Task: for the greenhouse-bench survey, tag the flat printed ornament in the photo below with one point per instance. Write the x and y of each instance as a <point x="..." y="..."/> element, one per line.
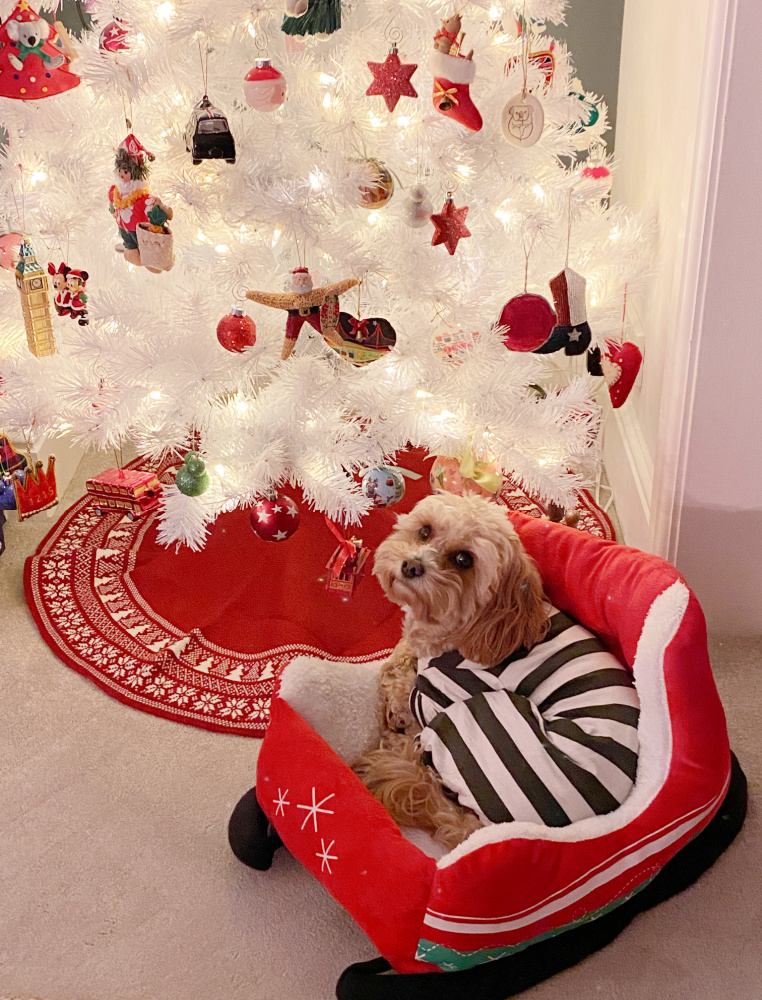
<point x="391" y="79"/>
<point x="522" y="120"/>
<point x="33" y="63"/>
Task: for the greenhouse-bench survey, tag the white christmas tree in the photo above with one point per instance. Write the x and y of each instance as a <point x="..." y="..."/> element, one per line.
<point x="304" y="191"/>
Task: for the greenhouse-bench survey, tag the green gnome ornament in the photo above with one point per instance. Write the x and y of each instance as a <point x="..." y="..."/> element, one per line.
<point x="192" y="479"/>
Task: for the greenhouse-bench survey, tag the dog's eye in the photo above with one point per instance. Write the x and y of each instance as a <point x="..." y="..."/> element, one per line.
<point x="425" y="533"/>
<point x="462" y="560"/>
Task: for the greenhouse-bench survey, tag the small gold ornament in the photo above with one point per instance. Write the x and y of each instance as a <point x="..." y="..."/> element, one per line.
<point x="32" y="283"/>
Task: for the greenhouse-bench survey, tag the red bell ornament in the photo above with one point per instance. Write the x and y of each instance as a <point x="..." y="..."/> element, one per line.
<point x="236" y="331"/>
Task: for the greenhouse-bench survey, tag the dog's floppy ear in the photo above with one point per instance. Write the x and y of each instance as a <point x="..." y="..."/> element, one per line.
<point x="515" y="616"/>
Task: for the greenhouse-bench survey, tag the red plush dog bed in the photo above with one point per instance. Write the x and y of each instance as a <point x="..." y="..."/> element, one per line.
<point x="525" y="899"/>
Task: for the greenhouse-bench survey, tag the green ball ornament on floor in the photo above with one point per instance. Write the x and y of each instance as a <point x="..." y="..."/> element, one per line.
<point x="192" y="479"/>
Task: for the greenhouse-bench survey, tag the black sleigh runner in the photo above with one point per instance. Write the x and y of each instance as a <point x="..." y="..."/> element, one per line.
<point x="516" y="902"/>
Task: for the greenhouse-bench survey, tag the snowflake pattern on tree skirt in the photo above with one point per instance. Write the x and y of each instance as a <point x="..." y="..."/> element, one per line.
<point x="81" y="591"/>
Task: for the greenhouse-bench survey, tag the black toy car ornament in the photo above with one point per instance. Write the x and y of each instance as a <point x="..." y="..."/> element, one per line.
<point x="207" y="135"/>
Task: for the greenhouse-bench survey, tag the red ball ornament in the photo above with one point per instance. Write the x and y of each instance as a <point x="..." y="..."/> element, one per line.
<point x="236" y="332"/>
<point x="115" y="37"/>
<point x="275" y="520"/>
<point x="264" y="87"/>
<point x="530" y="319"/>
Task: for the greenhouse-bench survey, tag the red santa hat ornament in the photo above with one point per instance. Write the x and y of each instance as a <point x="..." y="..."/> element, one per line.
<point x="264" y="87"/>
<point x="136" y="150"/>
<point x="33" y="62"/>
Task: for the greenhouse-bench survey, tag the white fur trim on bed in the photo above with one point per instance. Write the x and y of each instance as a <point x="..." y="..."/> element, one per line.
<point x="452" y="68"/>
<point x="339" y="700"/>
<point x="654" y="732"/>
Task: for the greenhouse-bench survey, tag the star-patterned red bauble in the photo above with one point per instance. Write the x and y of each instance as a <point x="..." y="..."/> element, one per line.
<point x="391" y="79"/>
<point x="276" y="519"/>
<point x="450" y="226"/>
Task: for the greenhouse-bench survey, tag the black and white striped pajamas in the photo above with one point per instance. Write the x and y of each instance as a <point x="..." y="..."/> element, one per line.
<point x="546" y="736"/>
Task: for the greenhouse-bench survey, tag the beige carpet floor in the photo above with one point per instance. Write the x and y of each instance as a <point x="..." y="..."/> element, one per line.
<point x="116" y="882"/>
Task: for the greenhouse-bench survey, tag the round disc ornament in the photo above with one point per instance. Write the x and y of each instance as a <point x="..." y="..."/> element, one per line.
<point x="530" y="320"/>
<point x="377" y="186"/>
<point x="264" y="87"/>
<point x="236" y="332"/>
<point x="384" y="486"/>
<point x="522" y="120"/>
<point x="275" y="519"/>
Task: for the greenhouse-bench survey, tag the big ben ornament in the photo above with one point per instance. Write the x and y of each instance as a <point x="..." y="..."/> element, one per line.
<point x="32" y="283"/>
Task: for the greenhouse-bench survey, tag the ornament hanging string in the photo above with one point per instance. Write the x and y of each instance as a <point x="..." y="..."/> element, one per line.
<point x="204" y="58"/>
<point x="393" y="33"/>
<point x="524" y="51"/>
<point x="569" y="228"/>
<point x="127" y="117"/>
<point x="20" y="215"/>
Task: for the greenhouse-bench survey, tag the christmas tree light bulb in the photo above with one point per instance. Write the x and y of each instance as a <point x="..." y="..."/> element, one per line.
<point x="155" y="394"/>
<point x="464" y="171"/>
<point x="327" y="101"/>
<point x="403" y="121"/>
<point x="220" y="470"/>
<point x="375" y="122"/>
<point x="165" y="11"/>
<point x="37" y="176"/>
<point x="495" y="13"/>
<point x="539" y="193"/>
<point x="327" y="79"/>
<point x="222" y="248"/>
<point x="200" y="236"/>
<point x="252" y="29"/>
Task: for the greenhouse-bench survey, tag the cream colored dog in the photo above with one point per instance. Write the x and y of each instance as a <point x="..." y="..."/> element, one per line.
<point x="457" y="568"/>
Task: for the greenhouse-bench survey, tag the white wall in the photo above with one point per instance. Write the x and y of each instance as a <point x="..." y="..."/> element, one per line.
<point x="684" y="454"/>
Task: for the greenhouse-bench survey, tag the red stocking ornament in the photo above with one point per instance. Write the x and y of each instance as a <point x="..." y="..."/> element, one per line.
<point x="453" y="75"/>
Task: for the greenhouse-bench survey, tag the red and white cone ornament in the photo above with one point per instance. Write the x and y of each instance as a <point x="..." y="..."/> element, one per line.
<point x="453" y="76"/>
<point x="264" y="86"/>
<point x="530" y="320"/>
<point x="450" y="225"/>
<point x="275" y="519"/>
<point x="621" y="364"/>
<point x="236" y="331"/>
<point x="33" y="63"/>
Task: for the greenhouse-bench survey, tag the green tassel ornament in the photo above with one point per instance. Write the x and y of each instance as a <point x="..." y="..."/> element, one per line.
<point x="312" y="17"/>
<point x="192" y="479"/>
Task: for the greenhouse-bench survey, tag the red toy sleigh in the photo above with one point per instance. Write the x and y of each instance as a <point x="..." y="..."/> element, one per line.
<point x="516" y="902"/>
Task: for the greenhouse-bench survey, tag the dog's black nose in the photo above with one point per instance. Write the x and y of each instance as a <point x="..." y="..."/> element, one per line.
<point x="412" y="568"/>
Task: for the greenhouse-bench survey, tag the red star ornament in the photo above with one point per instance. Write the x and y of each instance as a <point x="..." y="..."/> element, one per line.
<point x="391" y="79"/>
<point x="450" y="225"/>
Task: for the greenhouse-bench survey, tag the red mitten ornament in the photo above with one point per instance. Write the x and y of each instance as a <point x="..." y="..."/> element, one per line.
<point x="453" y="75"/>
<point x="236" y="332"/>
<point x="450" y="225"/>
<point x="264" y="86"/>
<point x="621" y="365"/>
<point x="530" y="320"/>
<point x="275" y="520"/>
<point x="33" y="64"/>
<point x="391" y="79"/>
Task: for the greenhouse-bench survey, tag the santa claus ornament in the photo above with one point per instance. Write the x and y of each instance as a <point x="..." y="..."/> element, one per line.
<point x="453" y="75"/>
<point x="275" y="519"/>
<point x="391" y="79"/>
<point x="140" y="217"/>
<point x="305" y="304"/>
<point x="33" y="63"/>
<point x="236" y="331"/>
<point x="572" y="331"/>
<point x="264" y="86"/>
<point x="450" y="225"/>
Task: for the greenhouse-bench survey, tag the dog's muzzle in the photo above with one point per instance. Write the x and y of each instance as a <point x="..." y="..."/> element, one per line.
<point x="412" y="568"/>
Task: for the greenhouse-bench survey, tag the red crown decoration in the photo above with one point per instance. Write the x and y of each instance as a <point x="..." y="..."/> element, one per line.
<point x="35" y="490"/>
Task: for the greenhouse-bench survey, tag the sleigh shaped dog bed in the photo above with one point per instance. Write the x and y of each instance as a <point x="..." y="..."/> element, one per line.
<point x="516" y="902"/>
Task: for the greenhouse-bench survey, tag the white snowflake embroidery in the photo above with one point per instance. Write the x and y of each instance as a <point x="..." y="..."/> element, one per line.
<point x="314" y="809"/>
<point x="325" y="857"/>
<point x="280" y="802"/>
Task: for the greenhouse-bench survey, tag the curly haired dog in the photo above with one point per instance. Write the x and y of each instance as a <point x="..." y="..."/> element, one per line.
<point x="457" y="568"/>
